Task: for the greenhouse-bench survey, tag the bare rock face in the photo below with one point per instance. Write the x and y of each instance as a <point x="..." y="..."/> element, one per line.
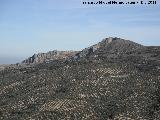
<point x="49" y="56"/>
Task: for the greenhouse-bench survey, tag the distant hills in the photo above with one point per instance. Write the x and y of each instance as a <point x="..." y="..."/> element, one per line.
<point x="49" y="56"/>
<point x="115" y="79"/>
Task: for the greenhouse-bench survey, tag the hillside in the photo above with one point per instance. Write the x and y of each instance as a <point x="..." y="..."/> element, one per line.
<point x="115" y="79"/>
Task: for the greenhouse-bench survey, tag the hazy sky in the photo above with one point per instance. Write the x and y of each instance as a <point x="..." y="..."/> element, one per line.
<point x="32" y="26"/>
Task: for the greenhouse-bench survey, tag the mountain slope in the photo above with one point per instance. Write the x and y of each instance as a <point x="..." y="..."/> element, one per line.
<point x="93" y="86"/>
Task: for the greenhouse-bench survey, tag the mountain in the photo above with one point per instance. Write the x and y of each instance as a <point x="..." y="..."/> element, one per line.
<point x="110" y="46"/>
<point x="115" y="79"/>
<point x="49" y="56"/>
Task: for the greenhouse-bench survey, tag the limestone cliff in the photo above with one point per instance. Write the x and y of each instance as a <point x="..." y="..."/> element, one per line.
<point x="49" y="56"/>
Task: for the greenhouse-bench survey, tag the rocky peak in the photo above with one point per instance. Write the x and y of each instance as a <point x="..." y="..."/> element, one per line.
<point x="111" y="45"/>
<point x="109" y="40"/>
<point x="49" y="56"/>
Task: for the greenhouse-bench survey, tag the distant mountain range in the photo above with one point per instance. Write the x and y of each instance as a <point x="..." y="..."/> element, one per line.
<point x="115" y="79"/>
<point x="49" y="56"/>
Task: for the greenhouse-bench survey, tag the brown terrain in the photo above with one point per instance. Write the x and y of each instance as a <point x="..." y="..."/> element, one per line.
<point x="115" y="79"/>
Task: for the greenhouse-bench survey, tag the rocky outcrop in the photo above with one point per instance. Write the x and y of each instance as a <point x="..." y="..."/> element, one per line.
<point x="49" y="56"/>
<point x="109" y="46"/>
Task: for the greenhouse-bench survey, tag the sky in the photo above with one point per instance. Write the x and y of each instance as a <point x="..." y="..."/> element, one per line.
<point x="33" y="26"/>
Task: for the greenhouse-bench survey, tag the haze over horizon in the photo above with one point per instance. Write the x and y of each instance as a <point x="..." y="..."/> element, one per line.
<point x="29" y="27"/>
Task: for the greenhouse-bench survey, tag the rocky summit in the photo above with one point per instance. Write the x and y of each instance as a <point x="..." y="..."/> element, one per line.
<point x="49" y="56"/>
<point x="115" y="79"/>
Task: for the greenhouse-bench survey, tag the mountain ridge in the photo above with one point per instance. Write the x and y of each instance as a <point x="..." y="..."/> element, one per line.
<point x="49" y="56"/>
<point x="111" y="44"/>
